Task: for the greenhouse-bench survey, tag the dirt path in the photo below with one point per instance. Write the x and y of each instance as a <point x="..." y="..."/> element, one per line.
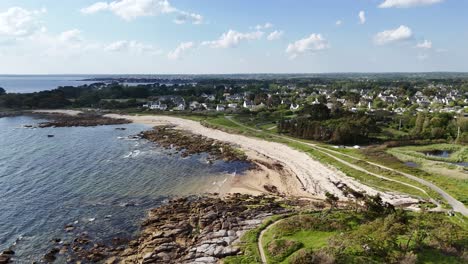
<point x="454" y="203"/>
<point x="260" y="240"/>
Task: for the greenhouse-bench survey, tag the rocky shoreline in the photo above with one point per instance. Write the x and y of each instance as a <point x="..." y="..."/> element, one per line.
<point x="194" y="229"/>
<point x="83" y="120"/>
<point x="189" y="144"/>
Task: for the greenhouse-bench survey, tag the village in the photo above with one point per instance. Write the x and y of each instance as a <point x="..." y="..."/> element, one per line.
<point x="432" y="99"/>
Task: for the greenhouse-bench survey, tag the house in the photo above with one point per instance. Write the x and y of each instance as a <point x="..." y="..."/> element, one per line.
<point x="294" y="107"/>
<point x="316" y="102"/>
<point x="248" y="104"/>
<point x="194" y="105"/>
<point x="180" y="107"/>
<point x="234" y="98"/>
<point x="220" y="108"/>
<point x="208" y="97"/>
<point x="156" y="106"/>
<point x="205" y="106"/>
<point x="232" y="106"/>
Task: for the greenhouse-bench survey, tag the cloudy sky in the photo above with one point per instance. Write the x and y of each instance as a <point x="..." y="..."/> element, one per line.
<point x="232" y="36"/>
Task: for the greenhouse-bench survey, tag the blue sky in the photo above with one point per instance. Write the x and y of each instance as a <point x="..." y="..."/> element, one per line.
<point x="221" y="36"/>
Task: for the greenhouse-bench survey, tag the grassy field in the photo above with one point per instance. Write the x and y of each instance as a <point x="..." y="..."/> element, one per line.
<point x="458" y="153"/>
<point x="452" y="178"/>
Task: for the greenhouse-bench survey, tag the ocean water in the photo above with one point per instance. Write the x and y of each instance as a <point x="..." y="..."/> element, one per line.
<point x="95" y="178"/>
<point x="36" y="83"/>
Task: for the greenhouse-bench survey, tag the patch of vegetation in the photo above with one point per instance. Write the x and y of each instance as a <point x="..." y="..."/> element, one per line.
<point x="371" y="236"/>
<point x="445" y="179"/>
<point x="279" y="249"/>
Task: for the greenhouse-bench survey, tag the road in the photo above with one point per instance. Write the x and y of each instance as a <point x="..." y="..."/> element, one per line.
<point x="456" y="205"/>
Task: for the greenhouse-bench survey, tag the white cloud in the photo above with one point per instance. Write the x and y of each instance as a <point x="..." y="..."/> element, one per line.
<point x="132" y="9"/>
<point x="73" y="35"/>
<point x="338" y="22"/>
<point x="264" y="26"/>
<point x="180" y="50"/>
<point x="362" y="17"/>
<point x="19" y="22"/>
<point x="132" y="47"/>
<point x="393" y="35"/>
<point x="96" y="7"/>
<point x="275" y="35"/>
<point x="312" y="43"/>
<point x="408" y="3"/>
<point x="426" y="44"/>
<point x="184" y="17"/>
<point x="232" y="38"/>
<point x="65" y="44"/>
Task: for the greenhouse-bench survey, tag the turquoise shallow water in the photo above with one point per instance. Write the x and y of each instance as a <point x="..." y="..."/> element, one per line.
<point x="93" y="177"/>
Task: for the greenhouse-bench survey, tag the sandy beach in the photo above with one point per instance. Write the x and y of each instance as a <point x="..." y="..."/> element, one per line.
<point x="302" y="176"/>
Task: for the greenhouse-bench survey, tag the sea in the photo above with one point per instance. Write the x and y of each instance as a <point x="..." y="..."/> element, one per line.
<point x="36" y="83"/>
<point x="98" y="179"/>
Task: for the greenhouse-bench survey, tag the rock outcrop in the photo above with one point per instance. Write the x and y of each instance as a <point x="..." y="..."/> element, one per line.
<point x="197" y="230"/>
<point x="81" y="120"/>
<point x="189" y="143"/>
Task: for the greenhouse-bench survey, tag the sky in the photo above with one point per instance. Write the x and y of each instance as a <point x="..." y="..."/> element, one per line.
<point x="232" y="36"/>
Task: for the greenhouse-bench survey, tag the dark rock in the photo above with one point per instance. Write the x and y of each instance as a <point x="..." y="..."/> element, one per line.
<point x="50" y="256"/>
<point x="9" y="252"/>
<point x="86" y="120"/>
<point x="4" y="259"/>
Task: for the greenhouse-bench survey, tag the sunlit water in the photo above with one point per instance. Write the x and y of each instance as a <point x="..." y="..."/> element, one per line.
<point x="93" y="177"/>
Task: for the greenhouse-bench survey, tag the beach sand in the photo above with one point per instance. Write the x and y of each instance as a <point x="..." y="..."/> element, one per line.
<point x="301" y="176"/>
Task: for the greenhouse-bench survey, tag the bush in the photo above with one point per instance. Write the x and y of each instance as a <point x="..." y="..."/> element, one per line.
<point x="307" y="256"/>
<point x="279" y="249"/>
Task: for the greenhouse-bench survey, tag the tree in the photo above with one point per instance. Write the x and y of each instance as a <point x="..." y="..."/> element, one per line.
<point x="316" y="112"/>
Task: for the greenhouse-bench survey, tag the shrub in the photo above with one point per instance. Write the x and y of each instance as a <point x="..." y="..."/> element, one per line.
<point x="307" y="256"/>
<point x="279" y="249"/>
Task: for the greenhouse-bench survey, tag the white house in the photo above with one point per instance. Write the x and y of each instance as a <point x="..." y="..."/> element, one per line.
<point x="220" y="108"/>
<point x="294" y="107"/>
<point x="194" y="105"/>
<point x="180" y="107"/>
<point x="248" y="104"/>
<point x="156" y="106"/>
<point x="232" y="106"/>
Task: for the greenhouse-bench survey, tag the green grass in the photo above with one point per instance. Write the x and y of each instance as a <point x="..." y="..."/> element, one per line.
<point x="453" y="179"/>
<point x="309" y="239"/>
<point x="306" y="238"/>
<point x="316" y="231"/>
<point x="312" y="239"/>
<point x="459" y="152"/>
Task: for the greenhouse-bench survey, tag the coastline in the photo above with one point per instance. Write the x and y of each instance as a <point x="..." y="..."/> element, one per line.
<point x="302" y="176"/>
